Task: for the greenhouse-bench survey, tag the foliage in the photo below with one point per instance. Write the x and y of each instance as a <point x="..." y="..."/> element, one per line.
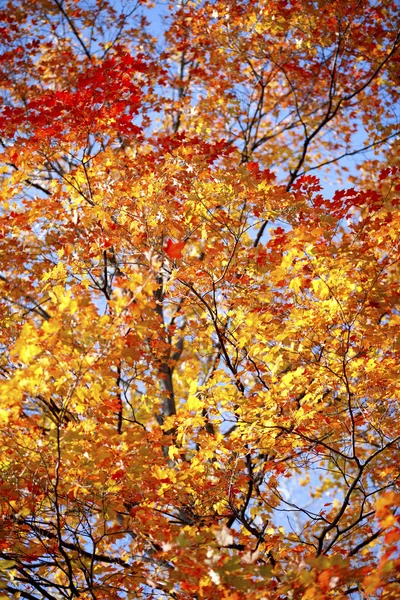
<point x="199" y="385"/>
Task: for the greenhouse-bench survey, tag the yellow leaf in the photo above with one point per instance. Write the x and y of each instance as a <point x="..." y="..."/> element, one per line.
<point x="58" y="272"/>
<point x="173" y="451"/>
<point x="52" y="326"/>
<point x="296" y="284"/>
<point x="320" y="288"/>
<point x="3" y="415"/>
<point x="194" y="403"/>
<point x="29" y="351"/>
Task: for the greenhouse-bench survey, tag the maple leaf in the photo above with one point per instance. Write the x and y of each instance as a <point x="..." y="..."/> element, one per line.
<point x="174" y="249"/>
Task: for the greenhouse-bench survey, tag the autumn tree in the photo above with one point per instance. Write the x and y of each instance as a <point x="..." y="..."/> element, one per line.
<point x="199" y="378"/>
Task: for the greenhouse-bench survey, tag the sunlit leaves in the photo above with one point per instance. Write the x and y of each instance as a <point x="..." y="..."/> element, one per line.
<point x="200" y="345"/>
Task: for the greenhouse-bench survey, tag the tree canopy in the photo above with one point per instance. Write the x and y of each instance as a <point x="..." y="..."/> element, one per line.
<point x="200" y="302"/>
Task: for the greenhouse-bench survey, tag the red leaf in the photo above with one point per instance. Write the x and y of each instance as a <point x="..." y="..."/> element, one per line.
<point x="174" y="250"/>
<point x="253" y="167"/>
<point x="119" y="474"/>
